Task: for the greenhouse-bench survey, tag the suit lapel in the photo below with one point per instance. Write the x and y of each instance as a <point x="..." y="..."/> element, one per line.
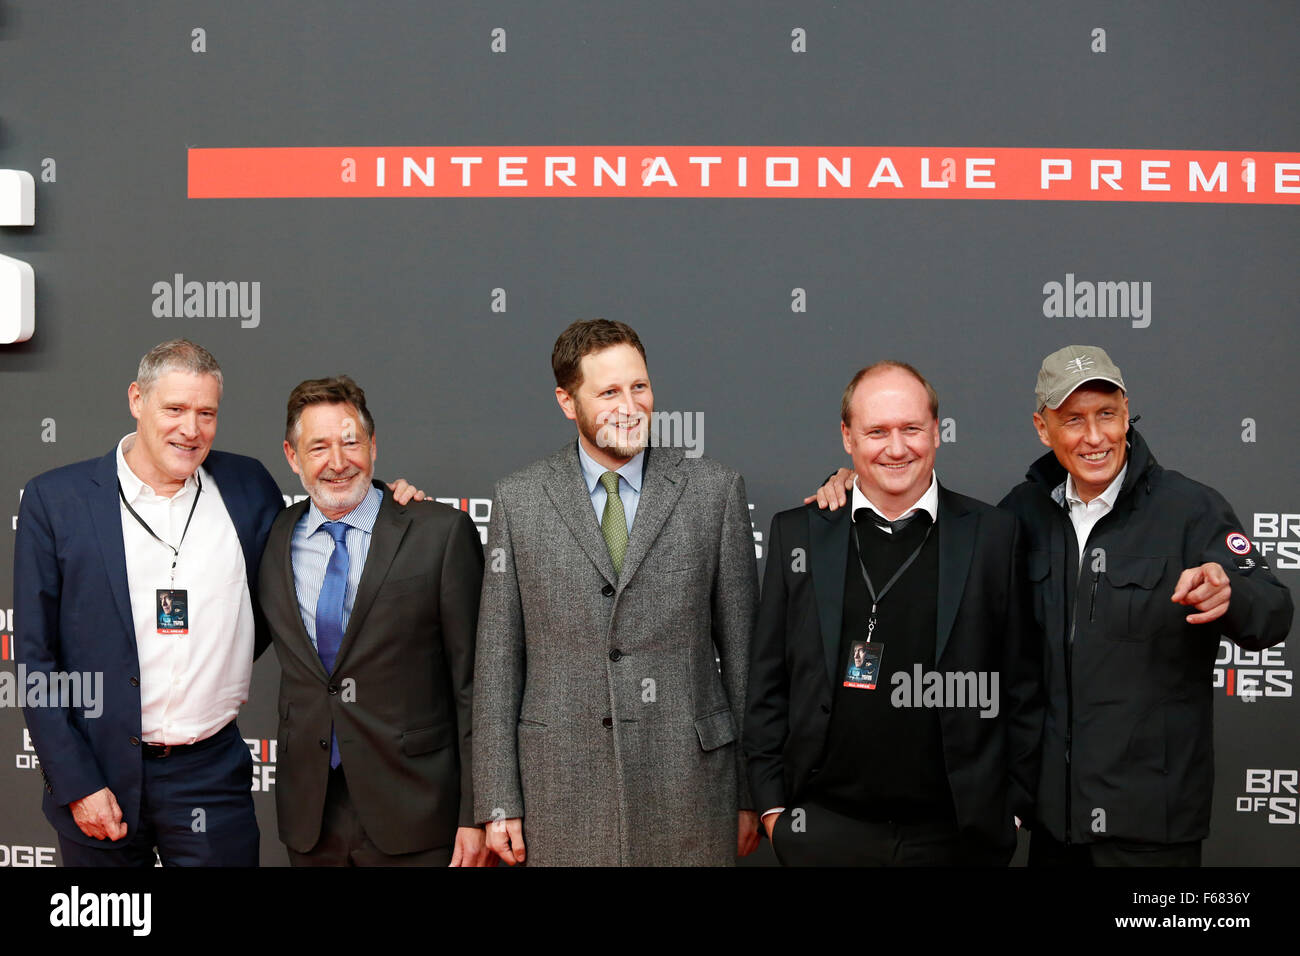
<point x="568" y="492"/>
<point x="239" y="506"/>
<point x="828" y="546"/>
<point x="956" y="528"/>
<point x="661" y="486"/>
<point x="279" y="550"/>
<point x="106" y="513"/>
<point x="385" y="539"/>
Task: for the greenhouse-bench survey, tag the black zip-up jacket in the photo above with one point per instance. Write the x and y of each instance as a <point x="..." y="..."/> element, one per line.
<point x="1128" y="736"/>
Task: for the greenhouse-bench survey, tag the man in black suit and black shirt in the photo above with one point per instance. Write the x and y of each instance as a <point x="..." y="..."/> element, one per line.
<point x="893" y="715"/>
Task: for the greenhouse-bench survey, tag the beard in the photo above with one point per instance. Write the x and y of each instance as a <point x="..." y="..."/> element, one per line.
<point x="343" y="498"/>
<point x="615" y="442"/>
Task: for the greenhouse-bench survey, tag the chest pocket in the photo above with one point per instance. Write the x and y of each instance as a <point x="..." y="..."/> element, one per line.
<point x="1131" y="606"/>
<point x="1039" y="566"/>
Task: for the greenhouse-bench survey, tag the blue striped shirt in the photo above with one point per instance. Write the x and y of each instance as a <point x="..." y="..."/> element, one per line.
<point x="312" y="546"/>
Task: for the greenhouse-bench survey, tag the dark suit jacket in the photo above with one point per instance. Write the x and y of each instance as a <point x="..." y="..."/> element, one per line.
<point x="399" y="697"/>
<point x="983" y="617"/>
<point x="72" y="612"/>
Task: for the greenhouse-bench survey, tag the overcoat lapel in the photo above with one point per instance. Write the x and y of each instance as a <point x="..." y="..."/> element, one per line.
<point x="661" y="487"/>
<point x="568" y="493"/>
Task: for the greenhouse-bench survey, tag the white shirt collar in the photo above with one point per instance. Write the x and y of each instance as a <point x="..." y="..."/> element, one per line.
<point x="132" y="485"/>
<point x="1107" y="497"/>
<point x="928" y="502"/>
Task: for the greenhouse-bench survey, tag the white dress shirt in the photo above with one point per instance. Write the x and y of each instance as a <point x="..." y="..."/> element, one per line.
<point x="1085" y="515"/>
<point x="191" y="685"/>
<point x="928" y="502"/>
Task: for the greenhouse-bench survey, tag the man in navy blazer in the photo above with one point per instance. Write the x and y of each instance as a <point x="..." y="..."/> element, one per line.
<point x="158" y="761"/>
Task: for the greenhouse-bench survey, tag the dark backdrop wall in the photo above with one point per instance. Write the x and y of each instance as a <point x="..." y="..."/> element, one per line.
<point x="756" y="307"/>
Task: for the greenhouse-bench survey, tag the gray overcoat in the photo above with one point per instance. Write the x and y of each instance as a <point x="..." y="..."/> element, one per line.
<point x="608" y="709"/>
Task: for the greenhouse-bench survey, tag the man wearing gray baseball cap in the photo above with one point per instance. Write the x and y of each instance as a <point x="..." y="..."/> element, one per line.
<point x="1120" y="551"/>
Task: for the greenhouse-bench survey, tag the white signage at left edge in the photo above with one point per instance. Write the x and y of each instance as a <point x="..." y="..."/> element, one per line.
<point x="17" y="281"/>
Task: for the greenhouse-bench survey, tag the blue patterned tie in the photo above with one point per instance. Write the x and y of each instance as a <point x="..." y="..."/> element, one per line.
<point x="329" y="611"/>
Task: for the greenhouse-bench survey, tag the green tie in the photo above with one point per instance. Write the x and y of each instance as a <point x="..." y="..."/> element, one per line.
<point x="613" y="523"/>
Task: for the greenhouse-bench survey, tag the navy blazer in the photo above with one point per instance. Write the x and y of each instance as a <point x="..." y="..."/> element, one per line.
<point x="72" y="612"/>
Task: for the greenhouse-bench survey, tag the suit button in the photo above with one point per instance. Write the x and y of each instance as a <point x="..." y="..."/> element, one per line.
<point x="49" y="788"/>
<point x="607" y="721"/>
<point x="324" y="744"/>
<point x="135" y="682"/>
<point x="825" y="709"/>
<point x="333" y="688"/>
<point x="607" y="590"/>
<point x="135" y="741"/>
<point x="615" y="654"/>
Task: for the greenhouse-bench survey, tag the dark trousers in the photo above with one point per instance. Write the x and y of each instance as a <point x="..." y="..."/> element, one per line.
<point x="343" y="840"/>
<point x="196" y="809"/>
<point x="1045" y="850"/>
<point x="813" y="835"/>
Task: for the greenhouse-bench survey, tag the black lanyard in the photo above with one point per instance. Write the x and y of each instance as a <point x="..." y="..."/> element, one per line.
<point x="176" y="550"/>
<point x="877" y="598"/>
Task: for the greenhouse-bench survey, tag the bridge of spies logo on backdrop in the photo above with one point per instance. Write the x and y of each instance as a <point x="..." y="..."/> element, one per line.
<point x="1277" y="534"/>
<point x="264" y="753"/>
<point x="25" y="758"/>
<point x="1252" y="675"/>
<point x="1272" y="792"/>
<point x="860" y="172"/>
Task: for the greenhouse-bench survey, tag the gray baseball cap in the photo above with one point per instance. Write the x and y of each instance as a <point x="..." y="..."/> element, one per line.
<point x="1066" y="369"/>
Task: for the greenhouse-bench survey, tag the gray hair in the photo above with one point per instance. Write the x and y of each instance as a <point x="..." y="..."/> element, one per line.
<point x="177" y="355"/>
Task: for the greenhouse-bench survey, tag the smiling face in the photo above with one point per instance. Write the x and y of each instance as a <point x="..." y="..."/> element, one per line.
<point x="611" y="404"/>
<point x="176" y="421"/>
<point x="892" y="437"/>
<point x="1087" y="434"/>
<point x="333" y="456"/>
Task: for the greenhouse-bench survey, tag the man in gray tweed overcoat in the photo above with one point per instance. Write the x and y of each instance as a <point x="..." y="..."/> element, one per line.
<point x="618" y="603"/>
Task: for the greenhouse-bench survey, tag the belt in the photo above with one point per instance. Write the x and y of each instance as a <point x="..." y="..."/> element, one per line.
<point x="160" y="751"/>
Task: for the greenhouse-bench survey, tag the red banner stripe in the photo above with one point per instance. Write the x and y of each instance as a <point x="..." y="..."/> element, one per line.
<point x="736" y="172"/>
